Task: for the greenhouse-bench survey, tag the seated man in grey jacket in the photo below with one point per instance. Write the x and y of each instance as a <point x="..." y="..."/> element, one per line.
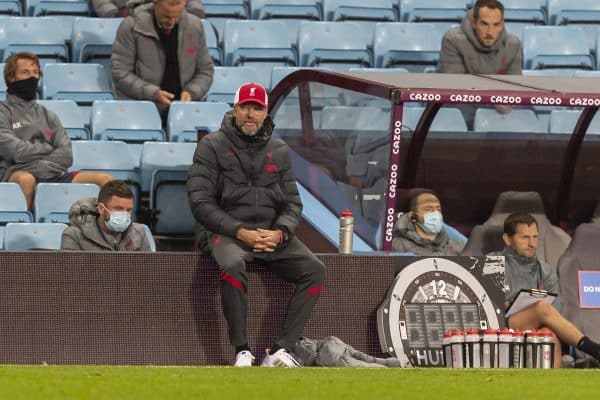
<point x="111" y="229"/>
<point x="525" y="271"/>
<point x="33" y="144"/>
<point x="160" y="54"/>
<point x="421" y="230"/>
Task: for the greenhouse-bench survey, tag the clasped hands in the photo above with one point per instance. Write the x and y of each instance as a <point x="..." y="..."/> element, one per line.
<point x="260" y="240"/>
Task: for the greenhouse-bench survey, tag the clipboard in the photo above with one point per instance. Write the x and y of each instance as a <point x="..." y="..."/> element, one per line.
<point x="527" y="297"/>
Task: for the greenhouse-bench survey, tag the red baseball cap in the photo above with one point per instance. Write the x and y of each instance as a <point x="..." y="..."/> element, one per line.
<point x="251" y="92"/>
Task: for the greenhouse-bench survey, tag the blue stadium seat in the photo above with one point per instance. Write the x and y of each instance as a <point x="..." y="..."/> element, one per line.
<point x="321" y="95"/>
<point x="112" y="157"/>
<point x="407" y="45"/>
<point x="448" y="119"/>
<point x="226" y="80"/>
<point x="261" y="45"/>
<point x="37" y="8"/>
<point x="42" y="36"/>
<point x="555" y="47"/>
<point x="286" y="9"/>
<point x="151" y="240"/>
<point x="29" y="236"/>
<point x="10" y="7"/>
<point x="525" y="11"/>
<point x="53" y="200"/>
<point x="212" y="42"/>
<point x="187" y="118"/>
<point x="584" y="73"/>
<point x="2" y="85"/>
<point x="2" y="231"/>
<point x="551" y="72"/>
<point x="563" y="121"/>
<point x="584" y="14"/>
<point x="432" y="10"/>
<point x="113" y="120"/>
<point x="92" y="40"/>
<point x="82" y="83"/>
<point x="352" y="10"/>
<point x="13" y="207"/>
<point x="164" y="172"/>
<point x="236" y="9"/>
<point x="355" y="118"/>
<point x="518" y="120"/>
<point x="336" y="45"/>
<point x="70" y="116"/>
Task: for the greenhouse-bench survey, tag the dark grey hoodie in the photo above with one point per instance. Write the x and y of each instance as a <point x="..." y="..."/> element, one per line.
<point x="407" y="240"/>
<point x="463" y="54"/>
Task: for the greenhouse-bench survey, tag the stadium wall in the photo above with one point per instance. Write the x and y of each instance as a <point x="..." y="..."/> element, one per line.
<point x="165" y="309"/>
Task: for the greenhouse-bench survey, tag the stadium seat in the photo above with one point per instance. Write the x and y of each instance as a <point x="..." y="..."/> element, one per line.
<point x="586" y="73"/>
<point x="10" y="7"/>
<point x="33" y="236"/>
<point x="581" y="255"/>
<point x="582" y="13"/>
<point x="2" y="85"/>
<point x="13" y="207"/>
<point x="353" y="10"/>
<point x="355" y="118"/>
<point x="226" y="80"/>
<point x="186" y="119"/>
<point x="335" y="45"/>
<point x="70" y="116"/>
<point x="37" y="8"/>
<point x="2" y="230"/>
<point x="164" y="174"/>
<point x="518" y="120"/>
<point x="212" y="42"/>
<point x="432" y="10"/>
<point x="92" y="40"/>
<point x="552" y="241"/>
<point x="484" y="239"/>
<point x="525" y="11"/>
<point x="151" y="240"/>
<point x="409" y="45"/>
<point x="286" y="9"/>
<point x="555" y="47"/>
<point x="113" y="120"/>
<point x="563" y="121"/>
<point x="53" y="200"/>
<point x="42" y="36"/>
<point x="260" y="45"/>
<point x="229" y="9"/>
<point x="551" y="72"/>
<point x="448" y="119"/>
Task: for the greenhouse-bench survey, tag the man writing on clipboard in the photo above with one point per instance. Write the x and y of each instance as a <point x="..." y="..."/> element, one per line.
<point x="525" y="271"/>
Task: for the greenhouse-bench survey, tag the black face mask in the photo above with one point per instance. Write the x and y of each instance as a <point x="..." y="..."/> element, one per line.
<point x="25" y="89"/>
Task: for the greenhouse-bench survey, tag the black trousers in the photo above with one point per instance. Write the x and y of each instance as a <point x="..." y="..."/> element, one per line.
<point x="292" y="261"/>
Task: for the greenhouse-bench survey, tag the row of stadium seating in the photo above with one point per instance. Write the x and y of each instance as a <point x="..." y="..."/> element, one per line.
<point x="264" y="44"/>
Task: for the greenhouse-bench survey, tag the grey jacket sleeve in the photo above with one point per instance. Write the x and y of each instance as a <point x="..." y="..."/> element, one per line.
<point x="105" y="8"/>
<point x="203" y="75"/>
<point x="123" y="61"/>
<point x="203" y="187"/>
<point x="62" y="153"/>
<point x="15" y="150"/>
<point x="450" y="62"/>
<point x="289" y="217"/>
<point x="69" y="239"/>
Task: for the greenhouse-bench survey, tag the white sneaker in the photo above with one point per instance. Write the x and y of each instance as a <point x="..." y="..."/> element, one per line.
<point x="243" y="359"/>
<point x="281" y="358"/>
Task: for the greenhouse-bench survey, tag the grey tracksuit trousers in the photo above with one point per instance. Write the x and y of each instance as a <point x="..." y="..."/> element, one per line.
<point x="292" y="261"/>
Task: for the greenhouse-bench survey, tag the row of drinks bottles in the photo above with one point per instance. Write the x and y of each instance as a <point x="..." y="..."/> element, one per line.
<point x="504" y="348"/>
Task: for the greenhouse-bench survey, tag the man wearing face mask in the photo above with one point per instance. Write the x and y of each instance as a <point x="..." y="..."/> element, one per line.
<point x="421" y="230"/>
<point x="112" y="229"/>
<point x="243" y="192"/>
<point x="33" y="144"/>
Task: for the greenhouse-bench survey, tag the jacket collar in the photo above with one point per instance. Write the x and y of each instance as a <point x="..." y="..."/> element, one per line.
<point x="407" y="230"/>
<point x="144" y="20"/>
<point x="230" y="130"/>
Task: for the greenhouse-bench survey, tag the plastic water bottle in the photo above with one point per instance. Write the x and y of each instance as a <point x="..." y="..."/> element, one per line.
<point x="473" y="342"/>
<point x="346" y="232"/>
<point x="490" y="349"/>
<point x="546" y="349"/>
<point x="505" y="342"/>
<point x="518" y="353"/>
<point x="532" y="344"/>
<point x="457" y="342"/>
<point x="447" y="347"/>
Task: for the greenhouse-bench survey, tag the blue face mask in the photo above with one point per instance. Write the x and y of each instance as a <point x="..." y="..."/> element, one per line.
<point x="119" y="221"/>
<point x="432" y="222"/>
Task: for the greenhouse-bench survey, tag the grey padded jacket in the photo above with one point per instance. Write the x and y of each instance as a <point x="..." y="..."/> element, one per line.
<point x="89" y="237"/>
<point x="405" y="239"/>
<point x="138" y="59"/>
<point x="32" y="138"/>
<point x="462" y="53"/>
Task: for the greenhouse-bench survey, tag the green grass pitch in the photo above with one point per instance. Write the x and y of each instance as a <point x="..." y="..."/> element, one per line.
<point x="145" y="382"/>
